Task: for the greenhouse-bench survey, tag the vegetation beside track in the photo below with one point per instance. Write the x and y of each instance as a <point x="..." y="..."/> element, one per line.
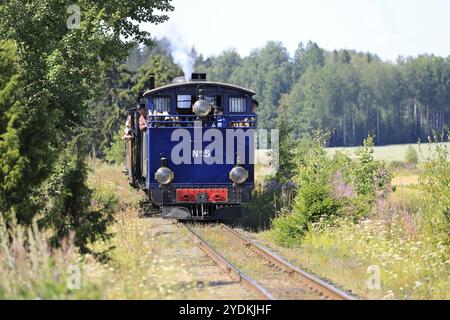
<point x="338" y="231"/>
<point x="143" y="258"/>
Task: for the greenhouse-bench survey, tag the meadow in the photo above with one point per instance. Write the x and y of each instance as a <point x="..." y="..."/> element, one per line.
<point x="399" y="249"/>
<point x="393" y="152"/>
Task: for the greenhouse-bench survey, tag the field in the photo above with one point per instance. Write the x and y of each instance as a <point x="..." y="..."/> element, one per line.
<point x="393" y="152"/>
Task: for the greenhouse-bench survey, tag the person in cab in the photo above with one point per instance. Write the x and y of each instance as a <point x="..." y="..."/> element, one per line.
<point x="142" y="110"/>
<point x="220" y="120"/>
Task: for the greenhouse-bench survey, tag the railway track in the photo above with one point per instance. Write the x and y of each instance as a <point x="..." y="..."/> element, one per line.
<point x="275" y="278"/>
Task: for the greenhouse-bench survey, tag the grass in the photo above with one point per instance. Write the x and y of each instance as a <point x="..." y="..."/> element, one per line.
<point x="30" y="269"/>
<point x="103" y="175"/>
<point x="147" y="258"/>
<point x="343" y="254"/>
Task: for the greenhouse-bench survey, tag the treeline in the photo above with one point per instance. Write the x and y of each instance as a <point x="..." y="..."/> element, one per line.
<point x="347" y="93"/>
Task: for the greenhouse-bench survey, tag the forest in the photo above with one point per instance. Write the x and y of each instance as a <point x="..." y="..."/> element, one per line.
<point x="347" y="93"/>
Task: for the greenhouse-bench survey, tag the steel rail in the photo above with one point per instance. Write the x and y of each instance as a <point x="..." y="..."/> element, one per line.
<point x="307" y="279"/>
<point x="229" y="268"/>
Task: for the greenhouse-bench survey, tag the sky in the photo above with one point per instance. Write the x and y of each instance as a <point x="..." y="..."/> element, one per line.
<point x="388" y="28"/>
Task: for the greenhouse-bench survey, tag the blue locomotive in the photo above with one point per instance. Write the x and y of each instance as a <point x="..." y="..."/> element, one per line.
<point x="193" y="148"/>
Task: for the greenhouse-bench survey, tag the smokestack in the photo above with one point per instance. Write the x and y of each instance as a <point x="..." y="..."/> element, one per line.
<point x="151" y="82"/>
<point x="198" y="77"/>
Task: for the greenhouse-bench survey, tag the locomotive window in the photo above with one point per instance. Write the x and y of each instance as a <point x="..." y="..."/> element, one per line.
<point x="211" y="100"/>
<point x="238" y="105"/>
<point x="184" y="102"/>
<point x="162" y="104"/>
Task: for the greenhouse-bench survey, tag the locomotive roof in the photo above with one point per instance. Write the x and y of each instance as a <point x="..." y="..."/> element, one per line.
<point x="196" y="84"/>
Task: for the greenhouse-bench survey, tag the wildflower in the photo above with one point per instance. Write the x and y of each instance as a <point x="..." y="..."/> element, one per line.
<point x="341" y="189"/>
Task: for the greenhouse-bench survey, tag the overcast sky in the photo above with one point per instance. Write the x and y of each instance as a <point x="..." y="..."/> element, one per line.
<point x="386" y="27"/>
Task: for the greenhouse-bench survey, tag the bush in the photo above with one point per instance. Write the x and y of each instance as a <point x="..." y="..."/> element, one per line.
<point x="72" y="206"/>
<point x="314" y="199"/>
<point x="332" y="187"/>
<point x="435" y="184"/>
<point x="412" y="156"/>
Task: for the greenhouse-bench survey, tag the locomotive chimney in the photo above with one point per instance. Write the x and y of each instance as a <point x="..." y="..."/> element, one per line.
<point x="198" y="77"/>
<point x="151" y="82"/>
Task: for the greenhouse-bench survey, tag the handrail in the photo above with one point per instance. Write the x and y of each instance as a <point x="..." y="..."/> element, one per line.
<point x="243" y="121"/>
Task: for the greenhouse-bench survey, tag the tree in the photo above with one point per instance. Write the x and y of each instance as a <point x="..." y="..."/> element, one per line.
<point x="309" y="57"/>
<point x="348" y="93"/>
<point x="60" y="68"/>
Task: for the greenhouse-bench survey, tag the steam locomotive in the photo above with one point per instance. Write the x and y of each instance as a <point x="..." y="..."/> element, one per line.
<point x="194" y="156"/>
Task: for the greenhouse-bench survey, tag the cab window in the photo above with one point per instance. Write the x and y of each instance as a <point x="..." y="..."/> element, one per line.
<point x="184" y="102"/>
<point x="162" y="104"/>
<point x="237" y="105"/>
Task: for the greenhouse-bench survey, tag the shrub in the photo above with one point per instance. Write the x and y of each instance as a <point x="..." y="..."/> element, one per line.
<point x="314" y="199"/>
<point x="435" y="184"/>
<point x="289" y="229"/>
<point x="412" y="156"/>
<point x="332" y="187"/>
<point x="72" y="206"/>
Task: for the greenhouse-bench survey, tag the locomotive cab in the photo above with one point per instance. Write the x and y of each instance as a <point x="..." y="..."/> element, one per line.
<point x="195" y="160"/>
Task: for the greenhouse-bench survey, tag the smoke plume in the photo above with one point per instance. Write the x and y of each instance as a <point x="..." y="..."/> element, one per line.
<point x="181" y="53"/>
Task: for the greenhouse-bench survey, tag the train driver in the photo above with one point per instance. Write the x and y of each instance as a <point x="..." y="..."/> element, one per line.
<point x="221" y="122"/>
<point x="142" y="109"/>
<point x="250" y="122"/>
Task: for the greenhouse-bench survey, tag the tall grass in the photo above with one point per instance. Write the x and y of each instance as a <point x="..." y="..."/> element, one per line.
<point x="409" y="242"/>
<point x="31" y="269"/>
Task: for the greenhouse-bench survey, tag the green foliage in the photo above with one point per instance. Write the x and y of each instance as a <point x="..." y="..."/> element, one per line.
<point x="287" y="148"/>
<point x="24" y="162"/>
<point x="48" y="75"/>
<point x="71" y="206"/>
<point x="412" y="156"/>
<point x="331" y="187"/>
<point x="116" y="154"/>
<point x="366" y="169"/>
<point x="160" y="66"/>
<point x="314" y="196"/>
<point x="435" y="184"/>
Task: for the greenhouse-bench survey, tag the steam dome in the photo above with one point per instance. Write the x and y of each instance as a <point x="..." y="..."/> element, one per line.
<point x="179" y="80"/>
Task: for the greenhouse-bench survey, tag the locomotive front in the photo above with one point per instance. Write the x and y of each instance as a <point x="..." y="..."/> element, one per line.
<point x="196" y="154"/>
